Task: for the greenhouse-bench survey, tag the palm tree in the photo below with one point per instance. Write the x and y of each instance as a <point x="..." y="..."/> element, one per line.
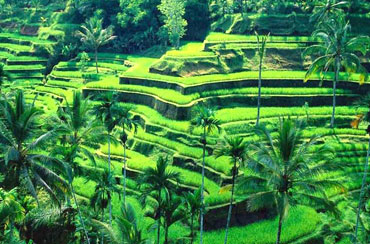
<point x="204" y="118"/>
<point x="337" y="50"/>
<point x="324" y="11"/>
<point x="128" y="231"/>
<point x="79" y="131"/>
<point x="261" y="50"/>
<point x="128" y="123"/>
<point x="288" y="170"/>
<point x="106" y="111"/>
<point x="20" y="142"/>
<point x="104" y="189"/>
<point x="193" y="205"/>
<point x="158" y="181"/>
<point x="365" y="101"/>
<point x="173" y="212"/>
<point x="93" y="36"/>
<point x="236" y="149"/>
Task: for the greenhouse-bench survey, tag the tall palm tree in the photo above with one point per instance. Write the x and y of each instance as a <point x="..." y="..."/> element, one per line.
<point x="204" y="118"/>
<point x="127" y="121"/>
<point x="104" y="189"/>
<point x="128" y="230"/>
<point x="173" y="212"/>
<point x="261" y="50"/>
<point x="157" y="182"/>
<point x="193" y="205"/>
<point x="79" y="130"/>
<point x="365" y="101"/>
<point x="236" y="149"/>
<point x="324" y="11"/>
<point x="20" y="142"/>
<point x="336" y="51"/>
<point x="106" y="111"/>
<point x="93" y="36"/>
<point x="287" y="170"/>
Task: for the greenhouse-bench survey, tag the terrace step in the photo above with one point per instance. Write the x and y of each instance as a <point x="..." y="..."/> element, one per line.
<point x="26" y="62"/>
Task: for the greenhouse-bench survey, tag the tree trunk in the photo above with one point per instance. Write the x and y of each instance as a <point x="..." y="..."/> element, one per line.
<point x="259" y="92"/>
<point x="337" y="63"/>
<point x="231" y="202"/>
<point x="159" y="217"/>
<point x="109" y="171"/>
<point x="102" y="219"/>
<point x="124" y="173"/>
<point x="362" y="191"/>
<point x="96" y="60"/>
<point x="202" y="187"/>
<point x="79" y="214"/>
<point x="279" y="229"/>
<point x="166" y="234"/>
<point x="192" y="229"/>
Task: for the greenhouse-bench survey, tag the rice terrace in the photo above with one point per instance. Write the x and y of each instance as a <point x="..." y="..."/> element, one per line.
<point x="184" y="121"/>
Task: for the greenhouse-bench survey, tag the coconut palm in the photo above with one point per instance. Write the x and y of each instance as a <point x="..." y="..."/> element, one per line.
<point x="204" y="118"/>
<point x="261" y="50"/>
<point x="106" y="111"/>
<point x="21" y="141"/>
<point x="236" y="149"/>
<point x="127" y="121"/>
<point x="336" y="51"/>
<point x="324" y="11"/>
<point x="79" y="130"/>
<point x="93" y="36"/>
<point x="365" y="101"/>
<point x="158" y="182"/>
<point x="287" y="170"/>
<point x="193" y="206"/>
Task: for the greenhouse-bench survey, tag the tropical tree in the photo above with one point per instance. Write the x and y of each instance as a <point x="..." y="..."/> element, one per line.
<point x="173" y="212"/>
<point x="236" y="149"/>
<point x="93" y="36"/>
<point x="365" y="101"/>
<point x="287" y="170"/>
<point x="336" y="50"/>
<point x="21" y="141"/>
<point x="158" y="182"/>
<point x="323" y="11"/>
<point x="128" y="230"/>
<point x="193" y="206"/>
<point x="204" y="118"/>
<point x="261" y="50"/>
<point x="127" y="121"/>
<point x="79" y="130"/>
<point x="107" y="111"/>
<point x="105" y="187"/>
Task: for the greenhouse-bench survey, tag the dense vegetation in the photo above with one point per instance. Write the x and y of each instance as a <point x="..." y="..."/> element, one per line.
<point x="184" y="121"/>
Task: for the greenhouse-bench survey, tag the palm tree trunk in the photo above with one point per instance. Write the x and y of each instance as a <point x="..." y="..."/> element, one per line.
<point x="231" y="203"/>
<point x="124" y="173"/>
<point x="166" y="234"/>
<point x="259" y="92"/>
<point x="96" y="60"/>
<point x="159" y="217"/>
<point x="279" y="229"/>
<point x="362" y="191"/>
<point x="79" y="214"/>
<point x="109" y="171"/>
<point x="192" y="229"/>
<point x="102" y="219"/>
<point x="202" y="187"/>
<point x="335" y="91"/>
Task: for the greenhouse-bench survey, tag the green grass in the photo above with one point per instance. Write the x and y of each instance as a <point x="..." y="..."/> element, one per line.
<point x="26" y="58"/>
<point x="20" y="37"/>
<point x="24" y="67"/>
<point x="16" y="47"/>
<point x="66" y="84"/>
<point x="222" y="37"/>
<point x="112" y="66"/>
<point x="299" y="222"/>
<point x="56" y="91"/>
